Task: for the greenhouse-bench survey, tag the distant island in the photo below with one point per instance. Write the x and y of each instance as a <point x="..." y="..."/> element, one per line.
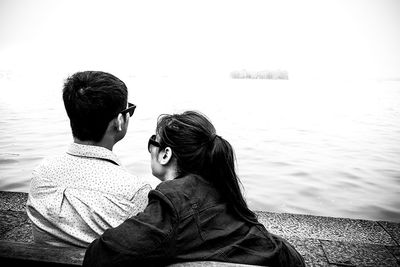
<point x="265" y="74"/>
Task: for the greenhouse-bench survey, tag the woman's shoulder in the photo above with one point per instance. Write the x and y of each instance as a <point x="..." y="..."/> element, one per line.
<point x="188" y="182"/>
<point x="186" y="188"/>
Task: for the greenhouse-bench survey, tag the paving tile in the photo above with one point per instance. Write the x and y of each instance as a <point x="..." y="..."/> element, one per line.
<point x="13" y="200"/>
<point x="355" y="254"/>
<point x="393" y="229"/>
<point x="395" y="250"/>
<point x="22" y="233"/>
<point x="311" y="250"/>
<point x="10" y="220"/>
<point x="325" y="228"/>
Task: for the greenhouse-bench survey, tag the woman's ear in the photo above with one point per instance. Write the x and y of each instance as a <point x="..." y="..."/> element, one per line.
<point x="165" y="156"/>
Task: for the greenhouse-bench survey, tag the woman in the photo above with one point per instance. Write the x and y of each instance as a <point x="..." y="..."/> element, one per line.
<point x="197" y="213"/>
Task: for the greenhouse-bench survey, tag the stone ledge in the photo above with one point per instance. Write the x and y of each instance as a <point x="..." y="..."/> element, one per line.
<point x="322" y="241"/>
<point x="330" y="228"/>
<point x="21" y="253"/>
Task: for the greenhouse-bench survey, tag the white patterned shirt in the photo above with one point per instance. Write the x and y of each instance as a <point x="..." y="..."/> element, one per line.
<point x="75" y="197"/>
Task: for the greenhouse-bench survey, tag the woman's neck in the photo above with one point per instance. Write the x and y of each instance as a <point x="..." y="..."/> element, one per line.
<point x="171" y="170"/>
<point x="170" y="175"/>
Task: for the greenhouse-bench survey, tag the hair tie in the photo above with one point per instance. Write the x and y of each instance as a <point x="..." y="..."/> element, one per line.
<point x="210" y="140"/>
<point x="213" y="137"/>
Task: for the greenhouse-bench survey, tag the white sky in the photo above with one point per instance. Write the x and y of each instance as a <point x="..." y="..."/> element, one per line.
<point x="338" y="38"/>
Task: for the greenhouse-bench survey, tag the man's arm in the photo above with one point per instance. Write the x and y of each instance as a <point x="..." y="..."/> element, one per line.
<point x="139" y="200"/>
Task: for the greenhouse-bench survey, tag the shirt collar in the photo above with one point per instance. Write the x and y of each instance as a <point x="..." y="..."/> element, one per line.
<point x="89" y="151"/>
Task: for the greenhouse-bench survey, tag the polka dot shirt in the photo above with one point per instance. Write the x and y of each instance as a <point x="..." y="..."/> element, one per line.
<point x="75" y="197"/>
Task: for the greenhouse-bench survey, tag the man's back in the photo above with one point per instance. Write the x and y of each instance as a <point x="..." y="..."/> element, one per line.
<point x="74" y="198"/>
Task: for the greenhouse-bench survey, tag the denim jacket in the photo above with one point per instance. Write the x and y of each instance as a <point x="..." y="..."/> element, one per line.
<point x="187" y="220"/>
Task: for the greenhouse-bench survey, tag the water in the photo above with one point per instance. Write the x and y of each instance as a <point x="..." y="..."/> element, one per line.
<point x="323" y="148"/>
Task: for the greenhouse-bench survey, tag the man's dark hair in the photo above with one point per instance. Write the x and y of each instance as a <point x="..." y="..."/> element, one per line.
<point x="92" y="99"/>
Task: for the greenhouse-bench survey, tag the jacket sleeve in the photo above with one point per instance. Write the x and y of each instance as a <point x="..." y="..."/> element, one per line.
<point x="146" y="237"/>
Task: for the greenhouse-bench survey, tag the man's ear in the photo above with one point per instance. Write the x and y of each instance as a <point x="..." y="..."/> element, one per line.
<point x="120" y="122"/>
<point x="165" y="156"/>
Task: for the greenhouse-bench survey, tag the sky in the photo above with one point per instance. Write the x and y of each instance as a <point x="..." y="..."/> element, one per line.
<point x="310" y="39"/>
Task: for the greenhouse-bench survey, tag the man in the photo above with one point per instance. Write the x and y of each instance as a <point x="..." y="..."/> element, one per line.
<point x="75" y="197"/>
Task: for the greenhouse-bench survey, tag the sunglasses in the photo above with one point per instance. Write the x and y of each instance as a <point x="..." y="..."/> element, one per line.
<point x="152" y="142"/>
<point x="131" y="109"/>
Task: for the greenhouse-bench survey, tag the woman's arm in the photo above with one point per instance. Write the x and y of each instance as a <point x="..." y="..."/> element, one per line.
<point x="145" y="237"/>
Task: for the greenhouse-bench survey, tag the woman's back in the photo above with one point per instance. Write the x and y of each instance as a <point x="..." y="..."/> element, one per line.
<point x="209" y="230"/>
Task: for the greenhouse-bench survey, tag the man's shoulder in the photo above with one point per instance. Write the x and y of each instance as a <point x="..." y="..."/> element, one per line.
<point x="93" y="167"/>
<point x="125" y="176"/>
<point x="51" y="161"/>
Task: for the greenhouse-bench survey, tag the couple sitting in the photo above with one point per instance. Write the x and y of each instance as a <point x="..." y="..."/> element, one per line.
<point x="86" y="198"/>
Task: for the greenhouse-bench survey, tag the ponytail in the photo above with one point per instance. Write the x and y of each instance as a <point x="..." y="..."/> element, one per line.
<point x="221" y="170"/>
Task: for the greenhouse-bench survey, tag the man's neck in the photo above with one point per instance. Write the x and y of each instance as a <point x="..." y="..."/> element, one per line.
<point x="102" y="143"/>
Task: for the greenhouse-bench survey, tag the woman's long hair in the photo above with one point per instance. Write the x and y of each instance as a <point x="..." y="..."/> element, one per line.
<point x="199" y="150"/>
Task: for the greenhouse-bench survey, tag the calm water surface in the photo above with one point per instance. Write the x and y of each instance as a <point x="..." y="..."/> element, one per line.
<point x="321" y="148"/>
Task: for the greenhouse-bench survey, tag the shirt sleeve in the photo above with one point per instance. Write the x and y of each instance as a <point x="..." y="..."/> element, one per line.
<point x="140" y="199"/>
<point x="147" y="237"/>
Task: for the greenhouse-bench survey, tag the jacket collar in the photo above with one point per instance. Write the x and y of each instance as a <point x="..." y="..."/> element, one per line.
<point x="96" y="152"/>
